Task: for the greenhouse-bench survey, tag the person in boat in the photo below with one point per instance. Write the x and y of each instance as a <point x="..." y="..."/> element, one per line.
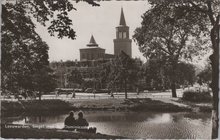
<point x="70" y="120"/>
<point x="81" y="122"/>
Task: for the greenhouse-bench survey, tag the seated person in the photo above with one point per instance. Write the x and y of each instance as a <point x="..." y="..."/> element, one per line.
<point x="81" y="121"/>
<point x="82" y="124"/>
<point x="70" y="120"/>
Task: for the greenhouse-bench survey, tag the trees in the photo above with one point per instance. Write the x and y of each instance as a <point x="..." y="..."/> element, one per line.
<point x="43" y="80"/>
<point x="206" y="12"/>
<point x="165" y="32"/>
<point x="123" y="72"/>
<point x="44" y="11"/>
<point x="25" y="55"/>
<point x="205" y="76"/>
<point x="186" y="74"/>
<point x="157" y="74"/>
<point x="23" y="51"/>
<point x="75" y="77"/>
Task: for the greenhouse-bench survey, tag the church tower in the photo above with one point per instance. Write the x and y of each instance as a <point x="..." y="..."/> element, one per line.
<point x="122" y="41"/>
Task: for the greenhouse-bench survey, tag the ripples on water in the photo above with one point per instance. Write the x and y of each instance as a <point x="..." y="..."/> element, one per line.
<point x="134" y="124"/>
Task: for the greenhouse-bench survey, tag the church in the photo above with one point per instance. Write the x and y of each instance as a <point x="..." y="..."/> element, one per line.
<point x="93" y="56"/>
<point x="92" y="51"/>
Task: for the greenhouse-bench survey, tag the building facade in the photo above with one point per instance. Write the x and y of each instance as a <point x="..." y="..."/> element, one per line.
<point x="92" y="51"/>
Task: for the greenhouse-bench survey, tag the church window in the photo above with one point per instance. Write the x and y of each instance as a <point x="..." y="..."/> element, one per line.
<point x="124" y="35"/>
<point x="120" y="35"/>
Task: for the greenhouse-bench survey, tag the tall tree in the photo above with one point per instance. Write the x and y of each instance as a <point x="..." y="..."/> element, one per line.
<point x="165" y="32"/>
<point x="210" y="11"/>
<point x="23" y="51"/>
<point x="43" y="80"/>
<point x="123" y="72"/>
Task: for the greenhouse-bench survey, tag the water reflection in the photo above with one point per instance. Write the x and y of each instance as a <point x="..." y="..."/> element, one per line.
<point x="135" y="124"/>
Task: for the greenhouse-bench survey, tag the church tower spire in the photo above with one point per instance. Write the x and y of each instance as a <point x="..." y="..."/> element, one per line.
<point x="122" y="41"/>
<point x="122" y="18"/>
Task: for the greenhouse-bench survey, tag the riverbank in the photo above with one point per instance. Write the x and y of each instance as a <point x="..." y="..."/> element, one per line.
<point x="44" y="133"/>
<point x="146" y="104"/>
<point x="197" y="106"/>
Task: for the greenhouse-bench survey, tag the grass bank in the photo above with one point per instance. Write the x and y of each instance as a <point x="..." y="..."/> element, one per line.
<point x="43" y="133"/>
<point x="88" y="104"/>
<point x="198" y="106"/>
<point x="145" y="104"/>
<point x="34" y="105"/>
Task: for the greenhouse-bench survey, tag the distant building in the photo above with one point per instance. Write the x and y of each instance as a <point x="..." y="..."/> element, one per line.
<point x="93" y="57"/>
<point x="92" y="51"/>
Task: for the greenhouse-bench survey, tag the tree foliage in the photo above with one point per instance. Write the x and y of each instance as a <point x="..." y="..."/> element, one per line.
<point x="51" y="13"/>
<point x="25" y="55"/>
<point x="75" y="77"/>
<point x="122" y="72"/>
<point x="172" y="33"/>
<point x="157" y="74"/>
<point x="186" y="74"/>
<point x="205" y="76"/>
<point x="23" y="51"/>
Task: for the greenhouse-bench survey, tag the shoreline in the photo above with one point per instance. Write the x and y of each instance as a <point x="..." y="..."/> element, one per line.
<point x="25" y="132"/>
<point x="146" y="104"/>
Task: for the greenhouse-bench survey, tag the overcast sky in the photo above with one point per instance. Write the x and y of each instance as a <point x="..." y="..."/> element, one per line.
<point x="99" y="21"/>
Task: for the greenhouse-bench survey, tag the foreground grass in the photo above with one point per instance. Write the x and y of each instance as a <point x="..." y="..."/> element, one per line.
<point x="43" y="133"/>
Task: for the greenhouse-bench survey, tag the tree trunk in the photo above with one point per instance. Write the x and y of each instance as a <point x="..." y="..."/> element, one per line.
<point x="173" y="79"/>
<point x="39" y="95"/>
<point x="215" y="80"/>
<point x="173" y="88"/>
<point x="125" y="86"/>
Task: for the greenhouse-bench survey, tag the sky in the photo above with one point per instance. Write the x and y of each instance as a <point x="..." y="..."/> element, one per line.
<point x="99" y="22"/>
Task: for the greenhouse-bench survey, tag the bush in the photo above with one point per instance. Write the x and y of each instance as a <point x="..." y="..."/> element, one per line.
<point x="197" y="96"/>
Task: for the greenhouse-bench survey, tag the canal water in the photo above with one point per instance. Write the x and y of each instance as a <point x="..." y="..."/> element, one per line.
<point x="183" y="125"/>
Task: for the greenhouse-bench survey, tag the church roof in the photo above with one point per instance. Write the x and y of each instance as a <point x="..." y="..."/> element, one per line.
<point x="92" y="42"/>
<point x="122" y="18"/>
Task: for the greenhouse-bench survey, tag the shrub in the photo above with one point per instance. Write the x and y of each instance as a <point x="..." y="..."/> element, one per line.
<point x="197" y="96"/>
